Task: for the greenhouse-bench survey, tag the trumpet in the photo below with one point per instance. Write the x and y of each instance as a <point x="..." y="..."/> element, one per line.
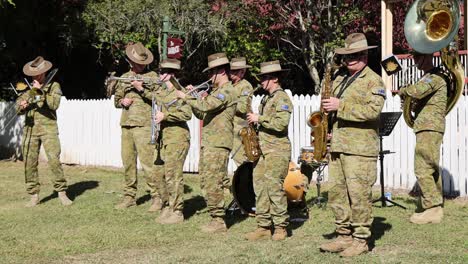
<point x="138" y="78"/>
<point x="196" y="91"/>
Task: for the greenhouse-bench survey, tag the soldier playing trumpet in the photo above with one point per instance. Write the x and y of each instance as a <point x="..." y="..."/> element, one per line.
<point x="134" y="99"/>
<point x="174" y="143"/>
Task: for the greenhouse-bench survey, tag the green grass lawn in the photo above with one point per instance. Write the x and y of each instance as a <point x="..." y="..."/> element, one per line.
<point x="91" y="231"/>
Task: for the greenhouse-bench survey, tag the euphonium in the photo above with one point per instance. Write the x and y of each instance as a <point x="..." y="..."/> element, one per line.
<point x="318" y="121"/>
<point x="249" y="136"/>
<point x="431" y="25"/>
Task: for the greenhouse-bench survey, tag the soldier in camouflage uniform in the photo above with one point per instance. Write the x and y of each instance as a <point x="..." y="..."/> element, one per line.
<point x="272" y="168"/>
<point x="40" y="128"/>
<point x="134" y="98"/>
<point x="217" y="111"/>
<point x="173" y="146"/>
<point x="429" y="127"/>
<point x="238" y="68"/>
<point x="358" y="99"/>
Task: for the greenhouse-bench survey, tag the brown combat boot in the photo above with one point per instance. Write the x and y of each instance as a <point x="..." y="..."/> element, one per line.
<point x="64" y="199"/>
<point x="339" y="244"/>
<point x="432" y="215"/>
<point x="156" y="205"/>
<point x="165" y="212"/>
<point x="258" y="234"/>
<point x="216" y="225"/>
<point x="176" y="217"/>
<point x="127" y="202"/>
<point x="358" y="247"/>
<point x="279" y="234"/>
<point x="33" y="201"/>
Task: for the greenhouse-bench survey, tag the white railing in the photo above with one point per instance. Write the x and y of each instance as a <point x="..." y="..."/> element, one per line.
<point x="90" y="135"/>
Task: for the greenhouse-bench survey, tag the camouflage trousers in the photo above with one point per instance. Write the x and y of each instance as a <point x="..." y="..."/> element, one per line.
<point x="270" y="201"/>
<point x="213" y="169"/>
<point x="426" y="167"/>
<point x="168" y="177"/>
<point x="31" y="147"/>
<point x="350" y="194"/>
<point x="135" y="144"/>
<point x="238" y="158"/>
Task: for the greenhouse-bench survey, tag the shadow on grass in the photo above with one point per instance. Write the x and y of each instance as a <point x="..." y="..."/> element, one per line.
<point x="192" y="205"/>
<point x="187" y="189"/>
<point x="74" y="190"/>
<point x="143" y="199"/>
<point x="378" y="228"/>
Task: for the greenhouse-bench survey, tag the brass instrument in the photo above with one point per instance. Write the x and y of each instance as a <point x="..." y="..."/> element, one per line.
<point x="318" y="121"/>
<point x="432" y="25"/>
<point x="196" y="91"/>
<point x="249" y="136"/>
<point x="112" y="80"/>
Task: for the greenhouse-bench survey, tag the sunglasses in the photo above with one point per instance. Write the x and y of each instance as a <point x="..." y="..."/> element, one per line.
<point x="354" y="56"/>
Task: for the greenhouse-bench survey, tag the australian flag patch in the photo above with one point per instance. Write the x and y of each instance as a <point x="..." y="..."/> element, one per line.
<point x="285" y="107"/>
<point x="220" y="97"/>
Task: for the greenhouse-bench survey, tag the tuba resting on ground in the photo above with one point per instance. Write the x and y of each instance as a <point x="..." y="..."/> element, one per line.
<point x="430" y="26"/>
<point x="318" y="121"/>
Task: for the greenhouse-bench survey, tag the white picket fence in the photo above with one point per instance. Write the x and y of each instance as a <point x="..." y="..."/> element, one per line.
<point x="90" y="135"/>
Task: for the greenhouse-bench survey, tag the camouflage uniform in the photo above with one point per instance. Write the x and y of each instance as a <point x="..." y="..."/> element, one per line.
<point x="173" y="146"/>
<point x="40" y="127"/>
<point x="271" y="169"/>
<point x="429" y="127"/>
<point x="217" y="111"/>
<point x="136" y="133"/>
<point x="242" y="89"/>
<point x="354" y="150"/>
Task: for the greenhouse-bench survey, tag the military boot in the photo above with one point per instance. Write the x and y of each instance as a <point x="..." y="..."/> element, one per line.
<point x="64" y="199"/>
<point x="216" y="225"/>
<point x="175" y="217"/>
<point x="156" y="205"/>
<point x="341" y="243"/>
<point x="432" y="215"/>
<point x="279" y="234"/>
<point x="127" y="202"/>
<point x="258" y="234"/>
<point x="358" y="247"/>
<point x="33" y="201"/>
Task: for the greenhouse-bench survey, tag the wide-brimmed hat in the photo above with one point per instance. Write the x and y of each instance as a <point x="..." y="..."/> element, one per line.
<point x="216" y="60"/>
<point x="355" y="42"/>
<point x="271" y="67"/>
<point x="173" y="64"/>
<point x="139" y="54"/>
<point x="239" y="64"/>
<point x="37" y="66"/>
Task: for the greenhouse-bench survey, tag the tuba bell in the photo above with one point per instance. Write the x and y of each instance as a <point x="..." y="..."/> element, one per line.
<point x="430" y="26"/>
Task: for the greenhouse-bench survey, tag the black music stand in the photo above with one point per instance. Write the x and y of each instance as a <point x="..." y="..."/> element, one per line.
<point x="388" y="121"/>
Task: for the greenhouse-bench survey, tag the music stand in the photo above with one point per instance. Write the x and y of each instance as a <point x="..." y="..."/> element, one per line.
<point x="388" y="121"/>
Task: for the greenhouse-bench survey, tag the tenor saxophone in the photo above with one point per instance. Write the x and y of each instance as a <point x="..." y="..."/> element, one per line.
<point x="249" y="136"/>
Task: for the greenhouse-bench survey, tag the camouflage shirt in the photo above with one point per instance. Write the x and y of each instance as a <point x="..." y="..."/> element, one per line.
<point x="275" y="111"/>
<point x="431" y="104"/>
<point x="356" y="125"/>
<point x="243" y="88"/>
<point x="174" y="128"/>
<point x="41" y="116"/>
<point x="217" y="112"/>
<point x="139" y="112"/>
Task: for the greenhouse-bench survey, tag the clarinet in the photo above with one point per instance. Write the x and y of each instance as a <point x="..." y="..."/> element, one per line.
<point x="155" y="127"/>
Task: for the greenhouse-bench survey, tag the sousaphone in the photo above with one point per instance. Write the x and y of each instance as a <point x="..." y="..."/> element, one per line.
<point x="430" y="26"/>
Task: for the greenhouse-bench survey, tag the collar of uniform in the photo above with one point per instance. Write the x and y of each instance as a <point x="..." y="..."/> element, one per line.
<point x="277" y="90"/>
<point x="219" y="87"/>
<point x="363" y="73"/>
<point x="237" y="83"/>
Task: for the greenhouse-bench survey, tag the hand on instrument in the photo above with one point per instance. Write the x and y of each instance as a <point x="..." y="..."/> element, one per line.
<point x="159" y="117"/>
<point x="203" y="95"/>
<point x="36" y="84"/>
<point x="180" y="94"/>
<point x="138" y="85"/>
<point x="252" y="118"/>
<point x="126" y="102"/>
<point x="24" y="104"/>
<point x="331" y="104"/>
<point x="329" y="136"/>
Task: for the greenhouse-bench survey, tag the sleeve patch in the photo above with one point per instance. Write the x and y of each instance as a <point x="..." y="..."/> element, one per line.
<point x="427" y="79"/>
<point x="245" y="93"/>
<point x="221" y="97"/>
<point x="285" y="107"/>
<point x="380" y="91"/>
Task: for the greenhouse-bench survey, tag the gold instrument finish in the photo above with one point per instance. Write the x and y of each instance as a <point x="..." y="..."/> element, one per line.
<point x="249" y="135"/>
<point x="430" y="26"/>
<point x="294" y="183"/>
<point x="318" y="121"/>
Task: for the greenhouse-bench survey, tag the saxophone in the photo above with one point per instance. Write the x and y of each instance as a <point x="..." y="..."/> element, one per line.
<point x="318" y="121"/>
<point x="249" y="136"/>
